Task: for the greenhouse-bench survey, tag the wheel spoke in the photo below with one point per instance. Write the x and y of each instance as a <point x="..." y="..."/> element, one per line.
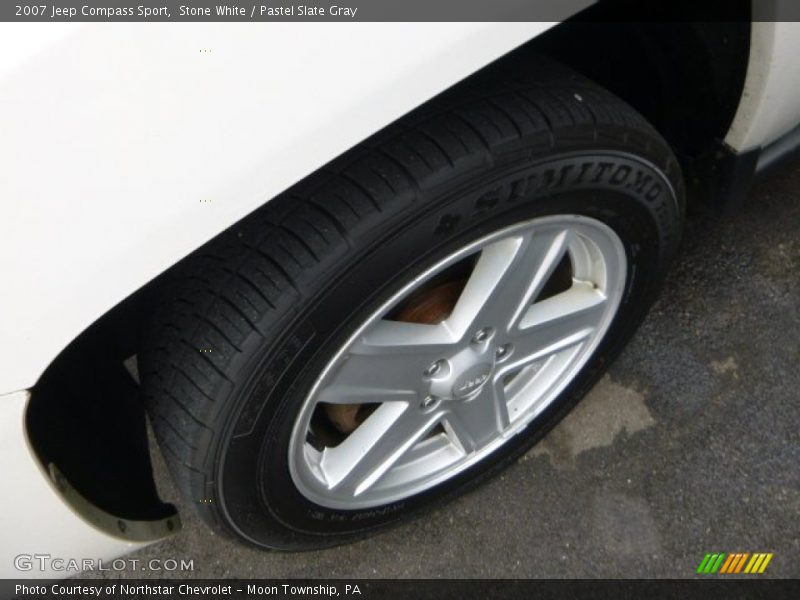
<point x="556" y="324"/>
<point x="375" y="446"/>
<point x="373" y="378"/>
<point x="386" y="363"/>
<point x="507" y="277"/>
<point x="581" y="303"/>
<point x="398" y="337"/>
<point x="473" y="424"/>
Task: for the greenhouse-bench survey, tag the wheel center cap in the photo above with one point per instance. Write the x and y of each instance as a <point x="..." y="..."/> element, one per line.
<point x="471" y="381"/>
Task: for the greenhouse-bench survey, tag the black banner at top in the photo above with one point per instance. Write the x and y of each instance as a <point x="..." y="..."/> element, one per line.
<point x="396" y="10"/>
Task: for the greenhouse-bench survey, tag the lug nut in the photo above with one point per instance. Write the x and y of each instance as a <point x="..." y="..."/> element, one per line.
<point x="482" y="335"/>
<point x="435" y="368"/>
<point x="503" y="351"/>
<point x="429" y="402"/>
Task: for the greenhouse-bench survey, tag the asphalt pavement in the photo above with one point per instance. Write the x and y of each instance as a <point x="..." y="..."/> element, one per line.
<point x="690" y="445"/>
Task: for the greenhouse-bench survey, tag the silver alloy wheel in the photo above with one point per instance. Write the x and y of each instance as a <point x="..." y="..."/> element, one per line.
<point x="448" y="394"/>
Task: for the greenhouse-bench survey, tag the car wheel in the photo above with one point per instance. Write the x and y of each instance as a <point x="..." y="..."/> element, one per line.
<point x="412" y="318"/>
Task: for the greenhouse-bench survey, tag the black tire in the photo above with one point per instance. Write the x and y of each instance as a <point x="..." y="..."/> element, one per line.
<point x="245" y="324"/>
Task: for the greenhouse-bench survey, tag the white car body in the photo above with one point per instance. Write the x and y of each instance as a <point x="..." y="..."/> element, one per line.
<point x="124" y="147"/>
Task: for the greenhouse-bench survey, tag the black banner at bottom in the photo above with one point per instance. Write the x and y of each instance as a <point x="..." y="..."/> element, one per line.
<point x="129" y="589"/>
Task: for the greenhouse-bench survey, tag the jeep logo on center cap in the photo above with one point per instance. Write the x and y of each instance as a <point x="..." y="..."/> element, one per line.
<point x="472" y="380"/>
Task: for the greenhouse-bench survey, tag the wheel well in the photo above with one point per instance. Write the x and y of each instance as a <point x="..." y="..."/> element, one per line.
<point x="686" y="78"/>
<point x="87" y="425"/>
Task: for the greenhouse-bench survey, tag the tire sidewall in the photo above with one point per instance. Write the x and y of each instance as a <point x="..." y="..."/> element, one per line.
<point x="255" y="488"/>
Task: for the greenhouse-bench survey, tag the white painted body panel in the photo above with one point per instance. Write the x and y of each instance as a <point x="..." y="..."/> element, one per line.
<point x="770" y="106"/>
<point x="33" y="517"/>
<point x="111" y="138"/>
